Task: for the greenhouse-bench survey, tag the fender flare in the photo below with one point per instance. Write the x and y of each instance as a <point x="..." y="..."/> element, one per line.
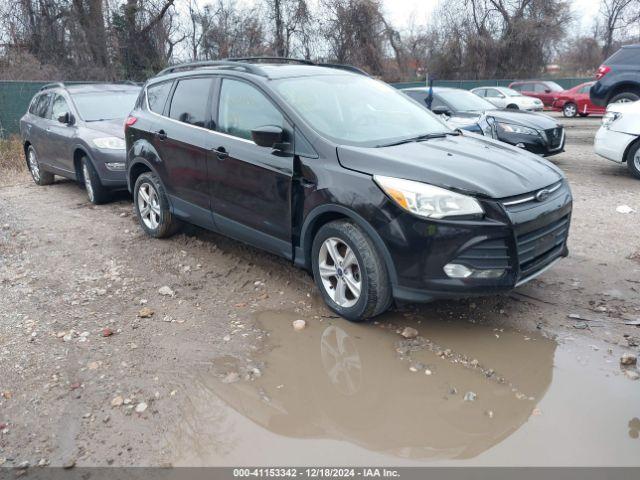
<point x="302" y="259"/>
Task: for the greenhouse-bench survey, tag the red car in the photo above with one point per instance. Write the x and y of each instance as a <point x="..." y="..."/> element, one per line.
<point x="575" y="101"/>
<point x="545" y="90"/>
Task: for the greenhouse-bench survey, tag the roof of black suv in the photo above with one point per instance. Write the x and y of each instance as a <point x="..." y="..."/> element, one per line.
<point x="266" y="67"/>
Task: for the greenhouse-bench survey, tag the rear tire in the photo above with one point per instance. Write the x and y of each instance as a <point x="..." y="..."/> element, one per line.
<point x="152" y="207"/>
<point x="633" y="160"/>
<point x="625" y="97"/>
<point x="95" y="190"/>
<point x="570" y="110"/>
<point x="350" y="272"/>
<point x="40" y="177"/>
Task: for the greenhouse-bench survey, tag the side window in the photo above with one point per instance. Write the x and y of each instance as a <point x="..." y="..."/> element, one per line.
<point x="243" y="107"/>
<point x="190" y="100"/>
<point x="491" y="93"/>
<point x="157" y="96"/>
<point x="517" y="88"/>
<point x="42" y="105"/>
<point x="58" y="107"/>
<point x="539" y="87"/>
<point x="34" y="104"/>
<point x="481" y="92"/>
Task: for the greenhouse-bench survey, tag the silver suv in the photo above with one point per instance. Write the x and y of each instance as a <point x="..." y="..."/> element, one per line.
<point x="77" y="132"/>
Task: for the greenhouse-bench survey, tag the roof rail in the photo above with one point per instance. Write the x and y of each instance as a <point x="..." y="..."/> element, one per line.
<point x="213" y="63"/>
<point x="272" y="59"/>
<point x="349" y="68"/>
<point x="52" y="85"/>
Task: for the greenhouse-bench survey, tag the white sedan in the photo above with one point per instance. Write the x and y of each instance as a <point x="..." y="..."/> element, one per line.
<point x="618" y="138"/>
<point x="503" y="97"/>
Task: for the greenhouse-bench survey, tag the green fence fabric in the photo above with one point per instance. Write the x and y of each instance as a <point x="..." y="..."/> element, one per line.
<point x="16" y="95"/>
<point x="14" y="100"/>
<point x="565" y="83"/>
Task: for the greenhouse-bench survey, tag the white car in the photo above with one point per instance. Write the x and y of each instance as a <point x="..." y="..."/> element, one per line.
<point x="503" y="97"/>
<point x="618" y="138"/>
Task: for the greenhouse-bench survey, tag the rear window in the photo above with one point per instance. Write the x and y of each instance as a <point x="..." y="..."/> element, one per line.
<point x="625" y="56"/>
<point x="190" y="101"/>
<point x="157" y="96"/>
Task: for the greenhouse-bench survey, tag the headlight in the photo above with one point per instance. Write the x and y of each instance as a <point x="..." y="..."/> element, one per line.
<point x="109" y="143"/>
<point x="610" y="117"/>
<point x="427" y="200"/>
<point x="511" y="128"/>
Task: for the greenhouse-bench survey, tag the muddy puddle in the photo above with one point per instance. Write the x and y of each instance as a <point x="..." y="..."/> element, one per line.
<point x="338" y="393"/>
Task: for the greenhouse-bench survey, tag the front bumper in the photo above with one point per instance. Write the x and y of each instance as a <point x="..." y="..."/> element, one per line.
<point x="546" y="144"/>
<point x="612" y="145"/>
<point x="522" y="236"/>
<point x="105" y="161"/>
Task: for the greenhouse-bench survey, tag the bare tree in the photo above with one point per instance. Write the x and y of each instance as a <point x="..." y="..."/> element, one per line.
<point x="614" y="16"/>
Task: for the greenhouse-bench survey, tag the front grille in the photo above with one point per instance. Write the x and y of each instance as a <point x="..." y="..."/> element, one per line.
<point x="555" y="136"/>
<point x="538" y="248"/>
<point x="489" y="254"/>
<point x="526" y="200"/>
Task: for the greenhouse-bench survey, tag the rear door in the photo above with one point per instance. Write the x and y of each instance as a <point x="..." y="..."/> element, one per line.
<point x="180" y="137"/>
<point x="250" y="185"/>
<point x="36" y="128"/>
<point x="495" y="97"/>
<point x="540" y="91"/>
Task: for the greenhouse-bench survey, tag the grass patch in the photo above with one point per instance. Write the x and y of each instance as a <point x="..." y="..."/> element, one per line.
<point x="12" y="160"/>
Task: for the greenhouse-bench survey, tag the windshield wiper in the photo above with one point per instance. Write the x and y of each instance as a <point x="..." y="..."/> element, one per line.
<point x="420" y="138"/>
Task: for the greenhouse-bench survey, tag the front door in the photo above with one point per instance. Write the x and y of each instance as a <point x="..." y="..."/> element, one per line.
<point x="250" y="185"/>
<point x="61" y="136"/>
<point x="181" y="140"/>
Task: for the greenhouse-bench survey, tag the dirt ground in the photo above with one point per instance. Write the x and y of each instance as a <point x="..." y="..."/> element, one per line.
<point x="100" y="365"/>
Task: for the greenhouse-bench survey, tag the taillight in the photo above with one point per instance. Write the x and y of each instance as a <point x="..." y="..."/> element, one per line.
<point x="130" y="121"/>
<point x="602" y="71"/>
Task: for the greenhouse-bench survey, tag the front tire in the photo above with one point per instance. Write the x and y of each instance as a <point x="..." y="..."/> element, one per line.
<point x="570" y="110"/>
<point x="349" y="271"/>
<point x="152" y="207"/>
<point x="40" y="177"/>
<point x="513" y="106"/>
<point x="633" y="160"/>
<point x="95" y="190"/>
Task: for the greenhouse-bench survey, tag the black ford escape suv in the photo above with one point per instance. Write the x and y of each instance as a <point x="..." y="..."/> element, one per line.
<point x="76" y="131"/>
<point x="345" y="176"/>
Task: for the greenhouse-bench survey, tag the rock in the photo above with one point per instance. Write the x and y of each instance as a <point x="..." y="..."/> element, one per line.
<point x="428" y="372"/>
<point x="624" y="209"/>
<point x="166" y="291"/>
<point x="43" y="462"/>
<point x="628" y="359"/>
<point x="226" y="338"/>
<point x="107" y="332"/>
<point x="489" y="413"/>
<point x="299" y="325"/>
<point x="69" y="463"/>
<point x="106" y="419"/>
<point x="23" y="465"/>
<point x="632" y="374"/>
<point x="93" y="365"/>
<point x="409" y="332"/>
<point x="145" y="312"/>
<point x="633" y="341"/>
<point x="2" y="461"/>
<point x="141" y="407"/>
<point x="117" y="401"/>
<point x="470" y="397"/>
<point x="474" y="363"/>
<point x="231" y="377"/>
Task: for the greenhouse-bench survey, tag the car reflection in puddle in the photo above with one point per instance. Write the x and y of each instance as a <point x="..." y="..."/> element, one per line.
<point x="364" y="384"/>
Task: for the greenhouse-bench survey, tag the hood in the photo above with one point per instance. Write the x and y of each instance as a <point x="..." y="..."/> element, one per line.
<point x="113" y="128"/>
<point x="467" y="163"/>
<point x="624" y="107"/>
<point x="539" y="121"/>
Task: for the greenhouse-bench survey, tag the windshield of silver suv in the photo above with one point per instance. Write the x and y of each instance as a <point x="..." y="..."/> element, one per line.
<point x="106" y="105"/>
<point x="357" y="110"/>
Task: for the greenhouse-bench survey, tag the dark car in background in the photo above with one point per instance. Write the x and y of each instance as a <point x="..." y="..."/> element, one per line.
<point x="545" y="90"/>
<point x="77" y="131"/>
<point x="618" y="78"/>
<point x="345" y="176"/>
<point x="535" y="132"/>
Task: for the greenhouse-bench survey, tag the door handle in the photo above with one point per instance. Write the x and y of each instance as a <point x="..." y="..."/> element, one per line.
<point x="161" y="134"/>
<point x="221" y="152"/>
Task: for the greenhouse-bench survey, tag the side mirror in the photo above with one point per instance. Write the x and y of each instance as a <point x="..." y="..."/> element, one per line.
<point x="269" y="136"/>
<point x="547" y="90"/>
<point x="441" y="110"/>
<point x="66" y="118"/>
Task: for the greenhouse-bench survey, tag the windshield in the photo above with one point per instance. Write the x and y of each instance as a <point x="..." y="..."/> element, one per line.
<point x="96" y="106"/>
<point x="464" y="101"/>
<point x="509" y="92"/>
<point x="357" y="110"/>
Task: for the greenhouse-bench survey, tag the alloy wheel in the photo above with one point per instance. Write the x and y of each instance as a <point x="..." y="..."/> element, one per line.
<point x="570" y="110"/>
<point x="149" y="205"/>
<point x="636" y="160"/>
<point x="34" y="167"/>
<point x="87" y="181"/>
<point x="340" y="272"/>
